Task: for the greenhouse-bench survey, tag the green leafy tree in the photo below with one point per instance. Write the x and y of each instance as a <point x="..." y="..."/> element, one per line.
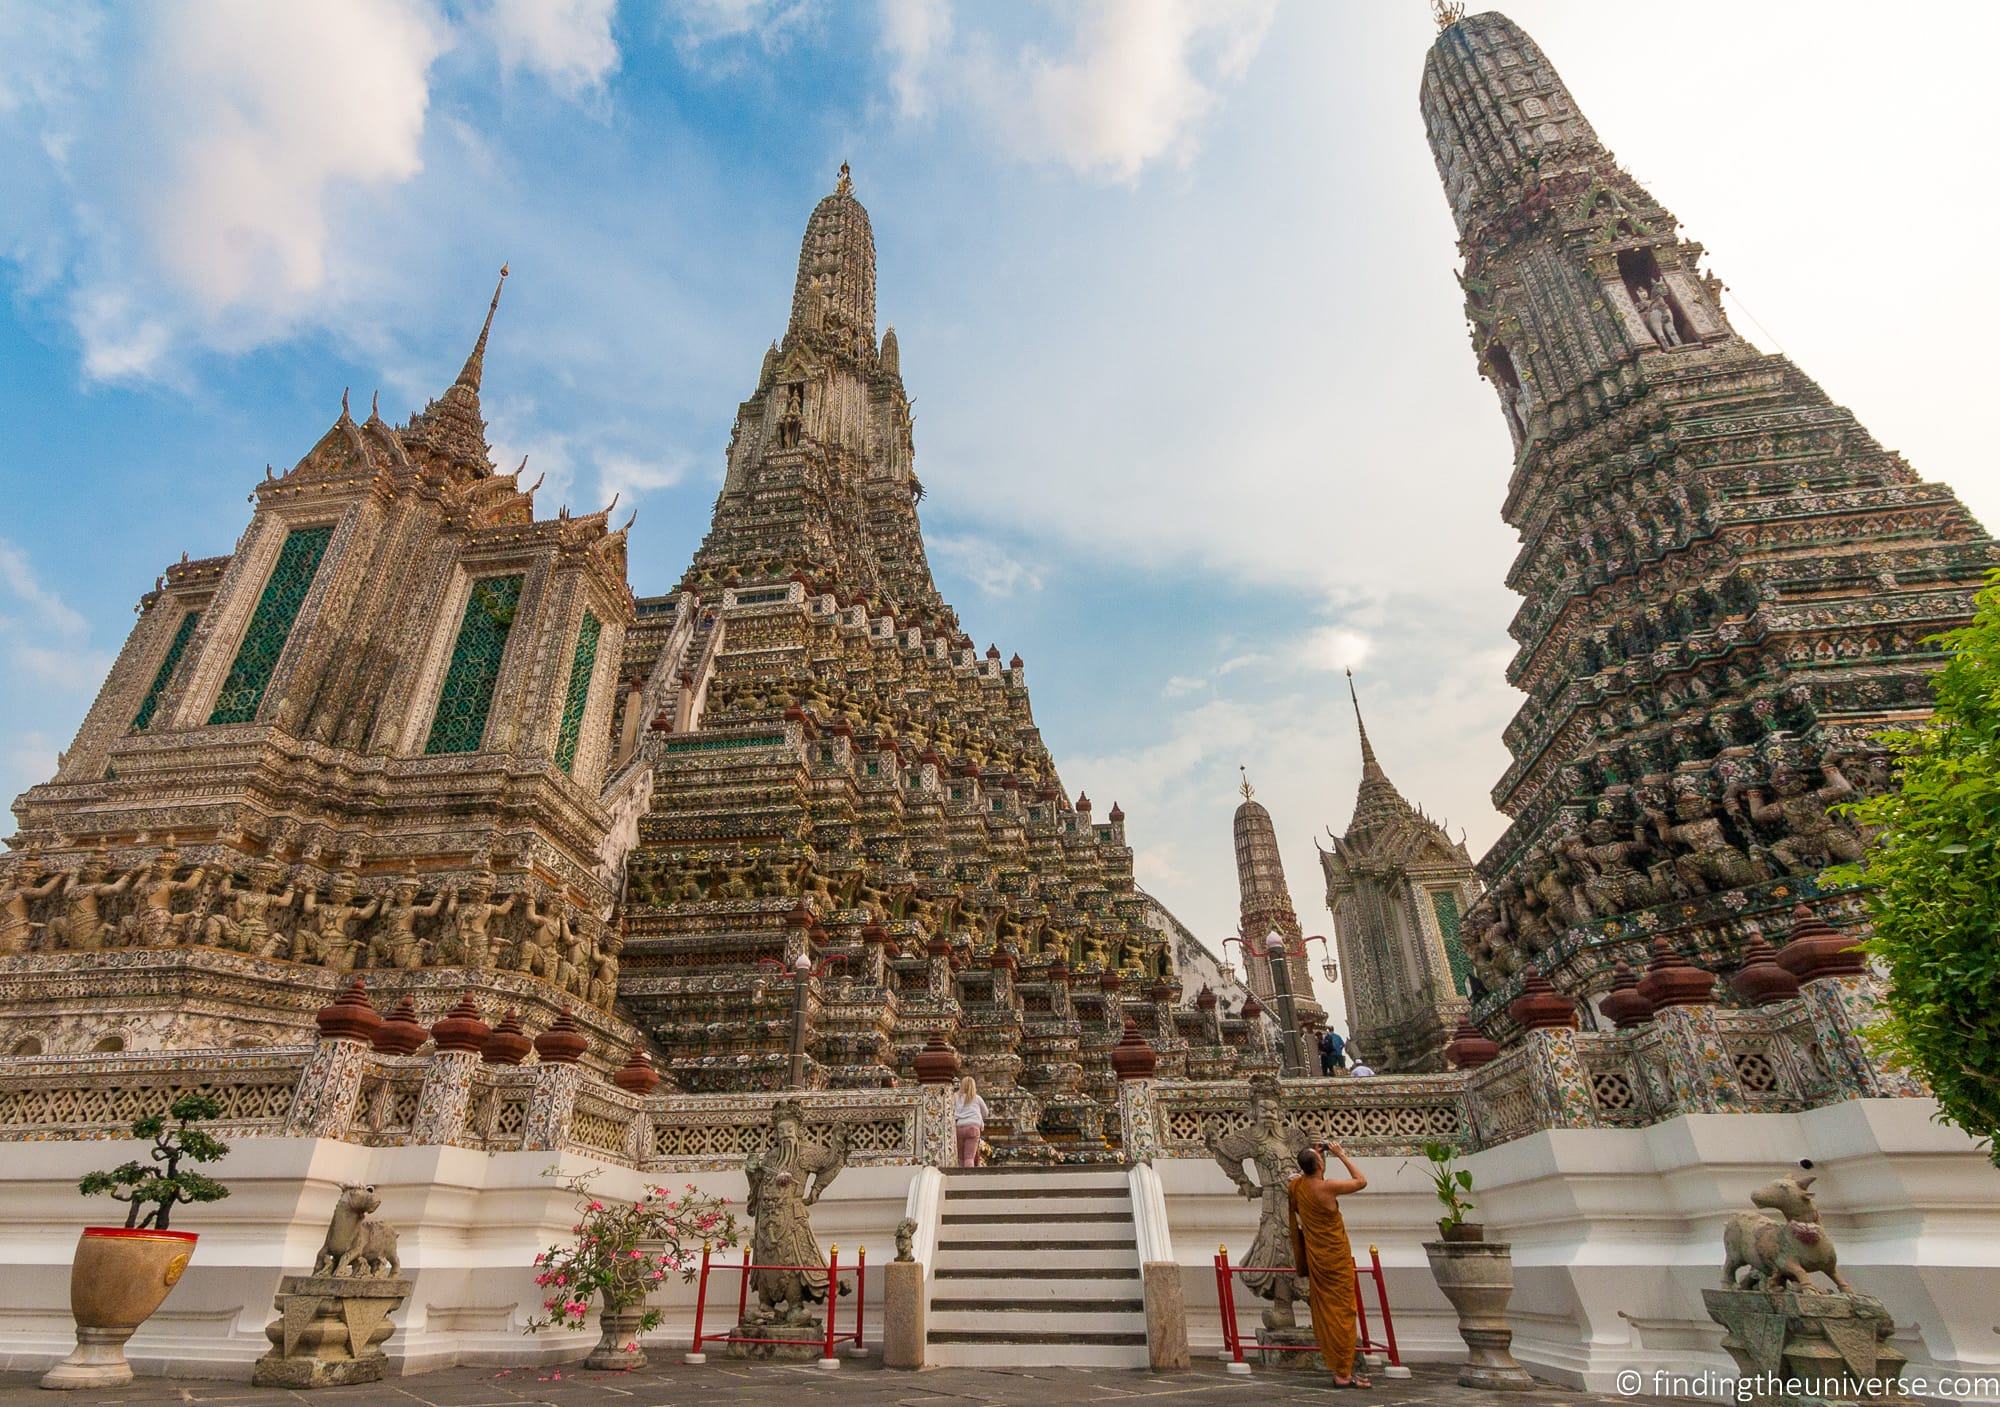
<point x="164" y="1185"/>
<point x="1933" y="882"/>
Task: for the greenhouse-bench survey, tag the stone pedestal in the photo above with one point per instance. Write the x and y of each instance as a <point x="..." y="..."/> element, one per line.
<point x="1802" y="1348"/>
<point x="814" y="1329"/>
<point x="1478" y="1278"/>
<point x="329" y="1331"/>
<point x="1291" y="1339"/>
<point x="1166" y="1316"/>
<point x="904" y="1337"/>
<point x="617" y="1349"/>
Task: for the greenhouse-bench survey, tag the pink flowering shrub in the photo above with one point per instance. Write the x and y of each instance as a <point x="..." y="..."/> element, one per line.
<point x="621" y="1250"/>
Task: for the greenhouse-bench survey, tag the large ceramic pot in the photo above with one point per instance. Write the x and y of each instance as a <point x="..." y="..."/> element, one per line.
<point x="116" y="1281"/>
<point x="1478" y="1278"/>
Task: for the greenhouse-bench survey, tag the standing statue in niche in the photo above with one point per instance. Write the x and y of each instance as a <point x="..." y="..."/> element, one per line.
<point x="791" y="423"/>
<point x="1658" y="315"/>
<point x="786" y="1177"/>
<point x="1272" y="1143"/>
<point x="17" y="892"/>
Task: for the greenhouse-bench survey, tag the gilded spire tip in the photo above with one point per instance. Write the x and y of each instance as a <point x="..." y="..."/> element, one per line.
<point x="1447" y="13"/>
<point x="1247" y="790"/>
<point x="845" y="186"/>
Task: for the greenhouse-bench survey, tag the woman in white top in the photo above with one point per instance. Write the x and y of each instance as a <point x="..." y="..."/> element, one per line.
<point x="971" y="1122"/>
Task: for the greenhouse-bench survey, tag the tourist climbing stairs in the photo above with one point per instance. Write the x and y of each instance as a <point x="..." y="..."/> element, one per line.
<point x="1037" y="1265"/>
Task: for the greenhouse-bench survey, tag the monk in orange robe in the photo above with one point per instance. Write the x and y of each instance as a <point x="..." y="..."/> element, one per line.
<point x="1323" y="1255"/>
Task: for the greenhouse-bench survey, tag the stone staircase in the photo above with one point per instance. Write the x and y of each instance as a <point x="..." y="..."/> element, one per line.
<point x="1037" y="1265"/>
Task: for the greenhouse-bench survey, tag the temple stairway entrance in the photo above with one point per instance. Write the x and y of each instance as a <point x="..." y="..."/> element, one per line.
<point x="1037" y="1265"/>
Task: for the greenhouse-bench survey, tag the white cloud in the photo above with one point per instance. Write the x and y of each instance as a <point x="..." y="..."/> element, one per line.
<point x="628" y="479"/>
<point x="1140" y="78"/>
<point x="568" y="43"/>
<point x="771" y="22"/>
<point x="47" y="654"/>
<point x="991" y="568"/>
<point x="267" y="112"/>
<point x="915" y="33"/>
<point x="1336" y="647"/>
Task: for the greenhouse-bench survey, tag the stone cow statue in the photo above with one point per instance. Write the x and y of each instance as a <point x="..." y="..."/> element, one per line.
<point x="1771" y="1252"/>
<point x="355" y="1244"/>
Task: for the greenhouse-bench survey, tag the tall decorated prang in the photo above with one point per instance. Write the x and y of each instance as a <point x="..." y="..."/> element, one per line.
<point x="1727" y="583"/>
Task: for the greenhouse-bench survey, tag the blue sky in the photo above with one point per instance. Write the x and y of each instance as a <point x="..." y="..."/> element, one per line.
<point x="1172" y="278"/>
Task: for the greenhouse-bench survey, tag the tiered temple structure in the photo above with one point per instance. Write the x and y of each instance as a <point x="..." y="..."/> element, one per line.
<point x="841" y="776"/>
<point x="1727" y="583"/>
<point x="375" y="735"/>
<point x="1398" y="886"/>
<point x="1265" y="907"/>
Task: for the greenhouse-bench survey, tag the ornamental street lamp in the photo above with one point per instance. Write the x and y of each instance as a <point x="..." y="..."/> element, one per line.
<point x="1281" y="988"/>
<point x="803" y="970"/>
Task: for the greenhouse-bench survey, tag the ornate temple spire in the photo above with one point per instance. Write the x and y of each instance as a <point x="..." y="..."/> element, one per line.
<point x="1266" y="902"/>
<point x="1499" y="117"/>
<point x="453" y="425"/>
<point x="835" y="292"/>
<point x="1377" y="802"/>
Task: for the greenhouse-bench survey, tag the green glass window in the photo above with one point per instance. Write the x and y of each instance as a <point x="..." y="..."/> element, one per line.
<point x="475" y="665"/>
<point x="182" y="633"/>
<point x="1444" y="904"/>
<point x="579" y="692"/>
<point x="271" y="625"/>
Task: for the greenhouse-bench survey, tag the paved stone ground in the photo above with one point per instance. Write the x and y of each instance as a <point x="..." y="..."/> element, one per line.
<point x="668" y="1384"/>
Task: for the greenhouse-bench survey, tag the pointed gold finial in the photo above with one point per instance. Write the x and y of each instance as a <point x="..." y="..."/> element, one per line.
<point x="1247" y="790"/>
<point x="846" y="184"/>
<point x="1447" y="12"/>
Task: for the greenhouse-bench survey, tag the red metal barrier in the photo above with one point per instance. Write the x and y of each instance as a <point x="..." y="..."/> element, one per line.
<point x="1232" y="1333"/>
<point x="825" y="1342"/>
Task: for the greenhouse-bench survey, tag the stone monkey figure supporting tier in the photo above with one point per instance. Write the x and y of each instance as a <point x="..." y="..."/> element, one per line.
<point x="81" y="925"/>
<point x="327" y="933"/>
<point x="17" y="893"/>
<point x="1272" y="1144"/>
<point x="786" y="1177"/>
<point x="153" y="923"/>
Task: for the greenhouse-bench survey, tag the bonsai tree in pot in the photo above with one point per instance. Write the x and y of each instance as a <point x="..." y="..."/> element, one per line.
<point x="121" y="1274"/>
<point x="1476" y="1275"/>
<point x="622" y="1251"/>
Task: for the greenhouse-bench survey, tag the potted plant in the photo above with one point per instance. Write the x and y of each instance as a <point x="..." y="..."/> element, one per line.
<point x="121" y="1274"/>
<point x="1476" y="1275"/>
<point x="621" y="1252"/>
<point x="1452" y="1183"/>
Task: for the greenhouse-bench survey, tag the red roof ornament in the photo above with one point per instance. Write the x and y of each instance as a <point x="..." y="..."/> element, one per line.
<point x="1625" y="1004"/>
<point x="637" y="1075"/>
<point x="509" y="1044"/>
<point x="401" y="1033"/>
<point x="1133" y="1058"/>
<point x="1470" y="1048"/>
<point x="1671" y="980"/>
<point x="937" y="1063"/>
<point x="1818" y="949"/>
<point x="460" y="1028"/>
<point x="563" y="1043"/>
<point x="1760" y="981"/>
<point x="1540" y="1007"/>
<point x="349" y="1016"/>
